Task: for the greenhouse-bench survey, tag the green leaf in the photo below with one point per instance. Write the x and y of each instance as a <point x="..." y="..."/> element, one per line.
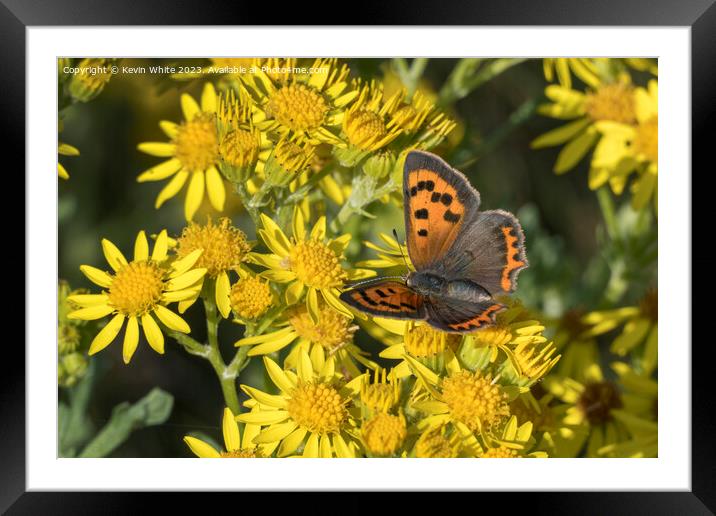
<point x="153" y="409"/>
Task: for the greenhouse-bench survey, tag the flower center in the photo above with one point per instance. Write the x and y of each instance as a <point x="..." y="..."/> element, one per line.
<point x="497" y="335"/>
<point x="474" y="400"/>
<point x="196" y="142"/>
<point x="612" y="102"/>
<point x="423" y="341"/>
<point x="318" y="407"/>
<point x="316" y="265"/>
<point x="298" y="107"/>
<point x="224" y="245"/>
<point x="573" y="323"/>
<point x="501" y="452"/>
<point x="647" y="139"/>
<point x="379" y="396"/>
<point x="250" y="297"/>
<point x="364" y="127"/>
<point x="331" y="332"/>
<point x="433" y="444"/>
<point x="239" y="148"/>
<point x="384" y="433"/>
<point x="405" y="116"/>
<point x="597" y="401"/>
<point x="136" y="288"/>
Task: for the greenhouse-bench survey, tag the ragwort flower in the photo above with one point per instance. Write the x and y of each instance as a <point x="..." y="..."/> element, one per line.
<point x="237" y="446"/>
<point x="137" y="291"/>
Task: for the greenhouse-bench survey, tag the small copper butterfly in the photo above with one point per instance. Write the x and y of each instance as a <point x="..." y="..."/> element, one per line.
<point x="463" y="257"/>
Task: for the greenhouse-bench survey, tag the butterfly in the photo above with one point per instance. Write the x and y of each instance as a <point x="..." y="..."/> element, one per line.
<point x="462" y="257"/>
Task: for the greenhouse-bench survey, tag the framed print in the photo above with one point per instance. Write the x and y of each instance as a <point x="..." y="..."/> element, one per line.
<point x="395" y="251"/>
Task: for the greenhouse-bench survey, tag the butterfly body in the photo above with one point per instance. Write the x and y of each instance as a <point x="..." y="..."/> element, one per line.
<point x="463" y="257"/>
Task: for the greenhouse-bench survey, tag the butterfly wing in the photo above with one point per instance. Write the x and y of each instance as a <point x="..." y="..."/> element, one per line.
<point x="461" y="317"/>
<point x="490" y="252"/>
<point x="439" y="203"/>
<point x="386" y="298"/>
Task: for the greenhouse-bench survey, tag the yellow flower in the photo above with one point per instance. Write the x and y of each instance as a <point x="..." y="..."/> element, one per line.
<point x="578" y="348"/>
<point x="90" y="81"/>
<point x="432" y="347"/>
<point x="137" y="292"/>
<point x="514" y="441"/>
<point x="384" y="434"/>
<point x="237" y="446"/>
<point x="308" y="263"/>
<point x="607" y="101"/>
<point x="65" y="149"/>
<point x="584" y="68"/>
<point x="383" y="393"/>
<point x="519" y="337"/>
<point x="224" y="249"/>
<point x="628" y="146"/>
<point x="472" y="403"/>
<point x="591" y="403"/>
<point x="640" y="332"/>
<point x="251" y="297"/>
<point x="440" y="443"/>
<point x="309" y="106"/>
<point x="313" y="413"/>
<point x="193" y="154"/>
<point x="332" y="335"/>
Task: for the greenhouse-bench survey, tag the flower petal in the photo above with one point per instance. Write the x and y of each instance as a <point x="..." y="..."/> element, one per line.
<point x="159" y="253"/>
<point x="272" y="345"/>
<point x="263" y="418"/>
<point x="171" y="320"/>
<point x="97" y="276"/>
<point x="265" y="399"/>
<point x="169" y="128"/>
<point x="277" y="376"/>
<point x="85" y="300"/>
<point x="159" y="149"/>
<point x="131" y="339"/>
<point x="200" y="448"/>
<point x="319" y="229"/>
<point x="153" y="333"/>
<point x="276" y="432"/>
<point x="294" y="292"/>
<point x="312" y="305"/>
<point x="185" y="280"/>
<point x="278" y="276"/>
<point x="221" y="293"/>
<point x="141" y="247"/>
<point x="274" y="238"/>
<point x="194" y="195"/>
<point x="184" y="264"/>
<point x="215" y="188"/>
<point x="311" y="448"/>
<point x="232" y="438"/>
<point x="189" y="107"/>
<point x="113" y="255"/>
<point x="162" y="171"/>
<point x="172" y="188"/>
<point x="106" y="334"/>
<point x="91" y="313"/>
<point x="208" y="98"/>
<point x="292" y="442"/>
<point x="257" y="339"/>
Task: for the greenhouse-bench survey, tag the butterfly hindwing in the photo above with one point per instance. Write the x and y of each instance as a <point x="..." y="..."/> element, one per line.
<point x="439" y="203"/>
<point x="386" y="298"/>
<point x="490" y="252"/>
<point x="460" y="317"/>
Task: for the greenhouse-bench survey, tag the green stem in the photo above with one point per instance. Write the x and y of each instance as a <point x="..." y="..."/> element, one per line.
<point x="606" y="203"/>
<point x="246" y="201"/>
<point x="213" y="355"/>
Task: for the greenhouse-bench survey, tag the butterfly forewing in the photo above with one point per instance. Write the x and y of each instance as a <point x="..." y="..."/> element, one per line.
<point x="386" y="298"/>
<point x="439" y="203"/>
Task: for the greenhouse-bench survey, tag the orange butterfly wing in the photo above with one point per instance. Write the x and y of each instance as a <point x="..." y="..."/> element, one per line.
<point x="386" y="298"/>
<point x="439" y="202"/>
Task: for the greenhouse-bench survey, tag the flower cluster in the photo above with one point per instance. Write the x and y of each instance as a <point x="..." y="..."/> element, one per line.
<point x="613" y="118"/>
<point x="303" y="161"/>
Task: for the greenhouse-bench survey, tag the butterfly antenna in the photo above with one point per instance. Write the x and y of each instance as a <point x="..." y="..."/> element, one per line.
<point x="397" y="241"/>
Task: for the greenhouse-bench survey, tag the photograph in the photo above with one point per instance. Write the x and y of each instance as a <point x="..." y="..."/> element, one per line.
<point x="357" y="257"/>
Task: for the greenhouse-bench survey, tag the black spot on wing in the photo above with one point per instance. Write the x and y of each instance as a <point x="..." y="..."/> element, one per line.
<point x="414" y="191"/>
<point x="446" y="199"/>
<point x="421" y="214"/>
<point x="451" y="217"/>
<point x="435" y="197"/>
<point x="423" y="232"/>
<point x="381" y="293"/>
<point x="429" y="186"/>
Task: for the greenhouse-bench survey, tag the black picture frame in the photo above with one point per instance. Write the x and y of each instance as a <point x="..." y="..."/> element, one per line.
<point x="699" y="15"/>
